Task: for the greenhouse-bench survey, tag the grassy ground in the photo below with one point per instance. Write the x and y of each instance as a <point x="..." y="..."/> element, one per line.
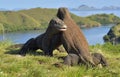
<point x="37" y="65"/>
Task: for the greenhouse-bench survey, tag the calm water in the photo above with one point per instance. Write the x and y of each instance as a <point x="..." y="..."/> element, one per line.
<point x="93" y="35"/>
<point x="21" y="37"/>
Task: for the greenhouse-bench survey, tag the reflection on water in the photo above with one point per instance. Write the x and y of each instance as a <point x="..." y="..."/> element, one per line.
<point x="93" y="35"/>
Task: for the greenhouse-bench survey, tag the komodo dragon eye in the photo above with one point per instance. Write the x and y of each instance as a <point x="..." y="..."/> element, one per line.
<point x="54" y="22"/>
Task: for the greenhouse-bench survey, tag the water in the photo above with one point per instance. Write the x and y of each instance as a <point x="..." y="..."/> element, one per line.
<point x="93" y="35"/>
<point x="21" y="37"/>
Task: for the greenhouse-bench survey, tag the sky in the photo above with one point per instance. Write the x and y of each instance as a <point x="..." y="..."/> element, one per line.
<point x="26" y="4"/>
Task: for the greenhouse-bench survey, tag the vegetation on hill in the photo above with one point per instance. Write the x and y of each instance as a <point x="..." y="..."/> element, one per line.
<point x="116" y="30"/>
<point x="36" y="65"/>
<point x="36" y="18"/>
<point x="113" y="35"/>
<point x="105" y="18"/>
<point x="85" y="22"/>
<point x="42" y="15"/>
<point x="14" y="21"/>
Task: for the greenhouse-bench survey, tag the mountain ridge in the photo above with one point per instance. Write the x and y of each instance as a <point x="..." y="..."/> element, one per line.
<point x="85" y="7"/>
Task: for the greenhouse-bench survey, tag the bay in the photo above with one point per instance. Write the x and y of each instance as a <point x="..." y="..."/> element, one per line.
<point x="93" y="35"/>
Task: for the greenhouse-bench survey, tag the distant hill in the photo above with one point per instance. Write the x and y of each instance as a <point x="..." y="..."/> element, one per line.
<point x="110" y="8"/>
<point x="38" y="18"/>
<point x="85" y="7"/>
<point x="35" y="18"/>
<point x="14" y="21"/>
<point x="105" y="18"/>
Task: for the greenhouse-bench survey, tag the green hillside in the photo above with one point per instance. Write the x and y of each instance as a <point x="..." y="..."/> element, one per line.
<point x="113" y="35"/>
<point x="85" y="22"/>
<point x="14" y="21"/>
<point x="40" y="14"/>
<point x="36" y="18"/>
<point x="105" y="18"/>
<point x="44" y="16"/>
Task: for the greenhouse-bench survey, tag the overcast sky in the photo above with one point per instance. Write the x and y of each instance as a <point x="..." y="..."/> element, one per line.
<point x="13" y="4"/>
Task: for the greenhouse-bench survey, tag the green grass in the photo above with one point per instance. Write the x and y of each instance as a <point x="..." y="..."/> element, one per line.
<point x="35" y="65"/>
